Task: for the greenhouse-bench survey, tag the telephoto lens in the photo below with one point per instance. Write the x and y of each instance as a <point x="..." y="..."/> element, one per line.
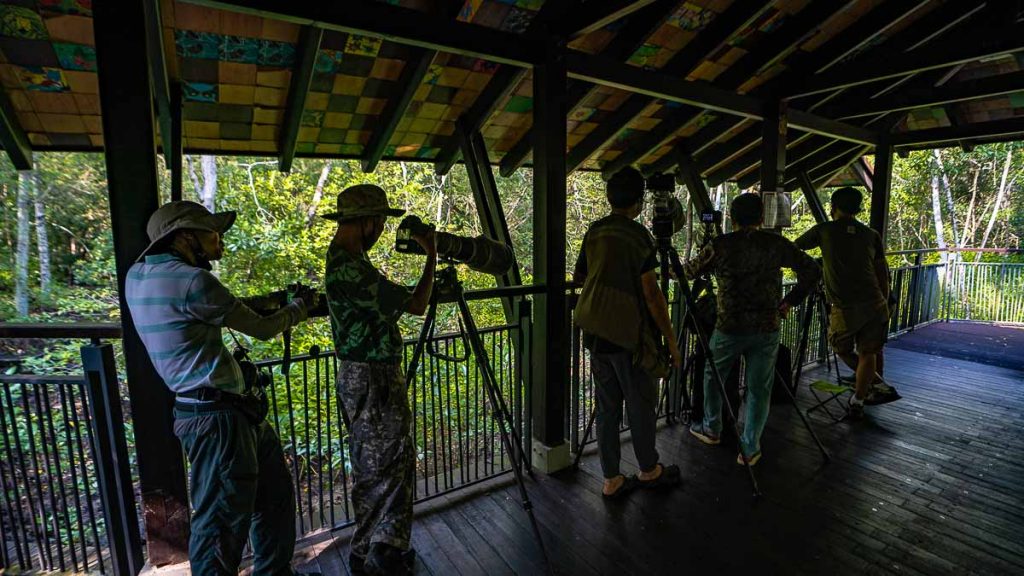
<point x="482" y="254"/>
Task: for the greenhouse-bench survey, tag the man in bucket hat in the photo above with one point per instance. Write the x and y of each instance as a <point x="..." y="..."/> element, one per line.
<point x="364" y="308"/>
<point x="239" y="484"/>
<point x="857" y="287"/>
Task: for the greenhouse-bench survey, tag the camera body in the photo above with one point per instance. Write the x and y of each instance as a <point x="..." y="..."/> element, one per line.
<point x="669" y="215"/>
<point x="711" y="217"/>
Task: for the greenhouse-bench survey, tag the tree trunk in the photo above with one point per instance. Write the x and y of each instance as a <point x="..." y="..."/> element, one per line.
<point x="192" y="175"/>
<point x="950" y="206"/>
<point x="42" y="238"/>
<point x="21" y="260"/>
<point x="209" y="197"/>
<point x="940" y="233"/>
<point x="318" y="194"/>
<point x="999" y="198"/>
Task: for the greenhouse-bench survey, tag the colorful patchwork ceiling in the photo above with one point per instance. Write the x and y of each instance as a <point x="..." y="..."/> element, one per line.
<point x="235" y="71"/>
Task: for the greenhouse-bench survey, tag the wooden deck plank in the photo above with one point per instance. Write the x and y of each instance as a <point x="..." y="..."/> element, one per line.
<point x="932" y="484"/>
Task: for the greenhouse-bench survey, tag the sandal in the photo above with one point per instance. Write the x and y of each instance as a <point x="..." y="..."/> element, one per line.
<point x="629" y="483"/>
<point x="670" y="476"/>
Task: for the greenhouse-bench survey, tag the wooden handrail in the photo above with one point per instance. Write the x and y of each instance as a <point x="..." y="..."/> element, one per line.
<point x="85" y="330"/>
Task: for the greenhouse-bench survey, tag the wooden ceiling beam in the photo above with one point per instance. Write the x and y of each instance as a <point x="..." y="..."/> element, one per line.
<point x="13" y="137"/>
<point x="396" y="24"/>
<point x="631" y="37"/>
<point x="298" y="89"/>
<point x="681" y="65"/>
<point x="596" y="14"/>
<point x="983" y="43"/>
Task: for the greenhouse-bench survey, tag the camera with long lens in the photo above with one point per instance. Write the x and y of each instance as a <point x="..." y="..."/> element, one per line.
<point x="481" y="253"/>
<point x="669" y="216"/>
<point x="274" y="301"/>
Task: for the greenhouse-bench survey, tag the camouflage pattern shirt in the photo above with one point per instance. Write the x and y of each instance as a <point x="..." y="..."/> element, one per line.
<point x="748" y="266"/>
<point x="364" y="308"/>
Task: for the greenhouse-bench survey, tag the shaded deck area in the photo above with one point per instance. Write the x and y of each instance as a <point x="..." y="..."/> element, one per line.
<point x="932" y="484"/>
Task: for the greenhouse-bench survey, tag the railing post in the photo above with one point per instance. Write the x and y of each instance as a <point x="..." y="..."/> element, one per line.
<point x="915" y="286"/>
<point x="678" y="378"/>
<point x="524" y="357"/>
<point x="115" y="481"/>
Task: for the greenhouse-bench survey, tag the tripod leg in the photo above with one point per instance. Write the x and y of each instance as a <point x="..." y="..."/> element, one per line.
<point x="421" y="343"/>
<point x="691" y="305"/>
<point x="506" y="428"/>
<point x="585" y="439"/>
<point x="803" y="418"/>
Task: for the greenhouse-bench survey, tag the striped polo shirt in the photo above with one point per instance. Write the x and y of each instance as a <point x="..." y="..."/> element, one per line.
<point x="178" y="310"/>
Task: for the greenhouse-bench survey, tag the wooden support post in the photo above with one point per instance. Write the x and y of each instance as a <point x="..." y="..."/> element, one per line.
<point x="811" y="195"/>
<point x="773" y="146"/>
<point x="882" y="183"/>
<point x="174" y="153"/>
<point x="551" y="330"/>
<point x="129" y="144"/>
<point x="688" y="175"/>
<point x="488" y="205"/>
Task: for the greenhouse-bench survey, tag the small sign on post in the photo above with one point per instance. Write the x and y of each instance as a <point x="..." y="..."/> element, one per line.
<point x="778" y="209"/>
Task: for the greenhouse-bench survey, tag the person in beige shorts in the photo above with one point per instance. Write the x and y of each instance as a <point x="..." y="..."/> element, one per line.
<point x="857" y="286"/>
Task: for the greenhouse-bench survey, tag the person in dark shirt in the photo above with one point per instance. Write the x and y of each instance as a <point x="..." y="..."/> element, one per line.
<point x="857" y="286"/>
<point x="619" y="309"/>
<point x="748" y="265"/>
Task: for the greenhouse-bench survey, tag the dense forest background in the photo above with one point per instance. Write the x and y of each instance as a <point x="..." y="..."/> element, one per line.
<point x="56" y="253"/>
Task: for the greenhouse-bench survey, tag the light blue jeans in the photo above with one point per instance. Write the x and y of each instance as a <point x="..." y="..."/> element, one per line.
<point x="759" y="351"/>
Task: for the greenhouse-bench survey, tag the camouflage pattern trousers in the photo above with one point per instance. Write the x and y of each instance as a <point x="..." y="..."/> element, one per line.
<point x="375" y="404"/>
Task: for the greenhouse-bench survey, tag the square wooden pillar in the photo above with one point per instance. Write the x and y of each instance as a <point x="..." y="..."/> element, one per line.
<point x="880" y="189"/>
<point x="131" y="159"/>
<point x="550" y="350"/>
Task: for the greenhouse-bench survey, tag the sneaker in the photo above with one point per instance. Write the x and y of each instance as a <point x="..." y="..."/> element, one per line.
<point x="704" y="435"/>
<point x="752" y="459"/>
<point x="387" y="560"/>
<point x="856" y="411"/>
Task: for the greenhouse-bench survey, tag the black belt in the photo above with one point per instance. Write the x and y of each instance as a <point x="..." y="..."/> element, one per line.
<point x="209" y="395"/>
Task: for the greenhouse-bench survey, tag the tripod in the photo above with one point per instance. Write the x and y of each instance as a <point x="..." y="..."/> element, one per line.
<point x="672" y="257"/>
<point x="448" y="289"/>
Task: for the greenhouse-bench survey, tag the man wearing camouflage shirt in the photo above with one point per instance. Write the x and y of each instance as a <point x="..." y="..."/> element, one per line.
<point x="748" y="266"/>
<point x="364" y="308"/>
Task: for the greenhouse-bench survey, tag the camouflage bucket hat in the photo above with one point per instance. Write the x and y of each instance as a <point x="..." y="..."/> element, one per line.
<point x="184" y="215"/>
<point x="362" y="200"/>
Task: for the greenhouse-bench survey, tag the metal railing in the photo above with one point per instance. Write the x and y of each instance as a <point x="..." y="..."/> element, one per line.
<point x="66" y="492"/>
<point x="985" y="292"/>
<point x="455" y="435"/>
<point x="64" y="505"/>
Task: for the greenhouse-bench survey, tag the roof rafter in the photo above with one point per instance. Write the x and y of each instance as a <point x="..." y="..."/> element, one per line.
<point x="682" y="64"/>
<point x="416" y="67"/>
<point x="850" y="39"/>
<point x="794" y="32"/>
<point x="394" y="23"/>
<point x="637" y="29"/>
<point x="158" y="74"/>
<point x="909" y="99"/>
<point x="503" y="81"/>
<point x="12" y="136"/>
<point x="596" y="14"/>
<point x="298" y="89"/>
<point x="981" y="45"/>
<point x="660" y="85"/>
<point x="992" y="129"/>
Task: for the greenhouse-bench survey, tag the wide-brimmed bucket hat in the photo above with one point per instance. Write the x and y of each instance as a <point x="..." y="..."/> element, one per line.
<point x="362" y="200"/>
<point x="184" y="215"/>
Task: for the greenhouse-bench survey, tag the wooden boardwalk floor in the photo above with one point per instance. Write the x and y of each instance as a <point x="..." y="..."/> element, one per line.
<point x="932" y="484"/>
